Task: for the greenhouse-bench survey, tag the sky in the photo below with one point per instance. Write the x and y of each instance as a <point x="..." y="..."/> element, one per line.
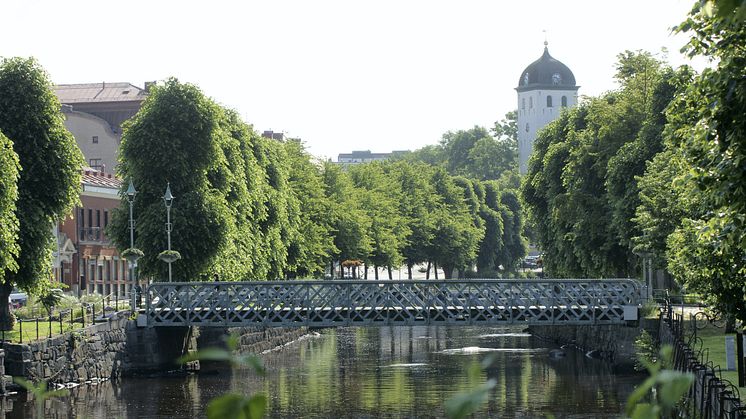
<point x="342" y="75"/>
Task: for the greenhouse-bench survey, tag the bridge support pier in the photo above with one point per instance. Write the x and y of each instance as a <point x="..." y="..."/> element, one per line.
<point x="156" y="349"/>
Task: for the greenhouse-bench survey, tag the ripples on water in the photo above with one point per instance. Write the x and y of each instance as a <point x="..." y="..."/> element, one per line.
<point x="374" y="372"/>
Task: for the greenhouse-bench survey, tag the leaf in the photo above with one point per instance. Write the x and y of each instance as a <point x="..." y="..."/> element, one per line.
<point x="645" y="411"/>
<point x="638" y="394"/>
<point x="207" y="354"/>
<point x="673" y="386"/>
<point x="235" y="406"/>
<point x="464" y="404"/>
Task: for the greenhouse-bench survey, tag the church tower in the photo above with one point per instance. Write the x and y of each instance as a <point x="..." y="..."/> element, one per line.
<point x="545" y="87"/>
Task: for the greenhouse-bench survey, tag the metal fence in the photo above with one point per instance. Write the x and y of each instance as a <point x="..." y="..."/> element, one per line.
<point x="711" y="396"/>
<point x="38" y="327"/>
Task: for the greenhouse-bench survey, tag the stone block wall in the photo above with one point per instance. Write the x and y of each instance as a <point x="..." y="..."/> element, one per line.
<point x="120" y="348"/>
<point x="250" y="339"/>
<point x="96" y="352"/>
<point x="615" y="343"/>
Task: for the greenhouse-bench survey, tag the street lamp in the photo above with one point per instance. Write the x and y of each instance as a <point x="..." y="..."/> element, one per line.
<point x="131" y="192"/>
<point x="168" y="199"/>
<point x="647" y="270"/>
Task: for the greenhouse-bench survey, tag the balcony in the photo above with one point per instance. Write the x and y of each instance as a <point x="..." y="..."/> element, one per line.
<point x="92" y="234"/>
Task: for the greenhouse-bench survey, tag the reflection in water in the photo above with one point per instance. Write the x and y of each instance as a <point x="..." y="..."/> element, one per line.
<point x="374" y="372"/>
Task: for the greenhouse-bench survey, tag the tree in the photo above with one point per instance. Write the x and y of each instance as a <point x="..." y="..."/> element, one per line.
<point x="707" y="125"/>
<point x="176" y="138"/>
<point x="9" y="172"/>
<point x="388" y="228"/>
<point x="417" y="202"/>
<point x="456" y="237"/>
<point x="309" y="250"/>
<point x="49" y="180"/>
<point x="349" y="221"/>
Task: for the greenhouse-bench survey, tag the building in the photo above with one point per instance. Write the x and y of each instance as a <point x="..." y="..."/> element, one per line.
<point x="279" y="136"/>
<point x="87" y="261"/>
<point x="545" y="87"/>
<point x="365" y="156"/>
<point x="94" y="113"/>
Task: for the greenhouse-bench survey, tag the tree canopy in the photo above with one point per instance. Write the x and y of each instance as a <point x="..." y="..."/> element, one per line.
<point x="49" y="177"/>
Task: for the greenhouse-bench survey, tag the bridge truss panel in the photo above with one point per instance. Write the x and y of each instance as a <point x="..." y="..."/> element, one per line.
<point x="383" y="303"/>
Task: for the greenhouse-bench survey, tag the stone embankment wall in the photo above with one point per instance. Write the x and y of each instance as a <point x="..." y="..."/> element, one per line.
<point x="96" y="352"/>
<point x="119" y="348"/>
<point x="615" y="343"/>
<point x="250" y="339"/>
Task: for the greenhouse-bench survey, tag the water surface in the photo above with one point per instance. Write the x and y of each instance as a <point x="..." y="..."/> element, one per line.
<point x="396" y="372"/>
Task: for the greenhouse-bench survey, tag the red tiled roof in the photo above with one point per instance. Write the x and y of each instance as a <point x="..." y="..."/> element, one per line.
<point x="93" y="177"/>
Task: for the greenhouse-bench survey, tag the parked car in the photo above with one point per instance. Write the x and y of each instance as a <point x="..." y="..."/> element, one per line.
<point x="18" y="299"/>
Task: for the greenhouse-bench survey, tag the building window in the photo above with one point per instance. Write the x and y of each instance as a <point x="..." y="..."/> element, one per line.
<point x="98" y="218"/>
<point x="106" y="218"/>
<point x="530" y="103"/>
<point x="94" y="139"/>
<point x="549" y="101"/>
<point x="95" y="164"/>
<point x="526" y="127"/>
<point x="523" y="104"/>
<point x="564" y="101"/>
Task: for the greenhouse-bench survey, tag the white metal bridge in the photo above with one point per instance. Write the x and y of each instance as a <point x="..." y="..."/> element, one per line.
<point x="386" y="302"/>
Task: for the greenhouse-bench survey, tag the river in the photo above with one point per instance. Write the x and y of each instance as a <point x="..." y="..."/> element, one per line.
<point x="372" y="372"/>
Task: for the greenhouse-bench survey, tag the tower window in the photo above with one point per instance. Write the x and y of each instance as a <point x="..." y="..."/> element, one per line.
<point x="526" y="127"/>
<point x="94" y="139"/>
<point x="564" y="101"/>
<point x="530" y="103"/>
<point x="549" y="101"/>
<point x="523" y="104"/>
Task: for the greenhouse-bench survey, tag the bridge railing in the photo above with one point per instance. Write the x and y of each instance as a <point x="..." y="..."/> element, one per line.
<point x="405" y="302"/>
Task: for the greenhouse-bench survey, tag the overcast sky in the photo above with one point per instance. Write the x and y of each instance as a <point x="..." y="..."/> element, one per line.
<point x="342" y="75"/>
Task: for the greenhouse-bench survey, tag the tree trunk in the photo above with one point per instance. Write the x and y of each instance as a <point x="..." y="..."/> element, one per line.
<point x="365" y="275"/>
<point x="447" y="272"/>
<point x="435" y="268"/>
<point x="390" y="277"/>
<point x="427" y="273"/>
<point x="7" y="319"/>
<point x="409" y="271"/>
<point x="375" y="268"/>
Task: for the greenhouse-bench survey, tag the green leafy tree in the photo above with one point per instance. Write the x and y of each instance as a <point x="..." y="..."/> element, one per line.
<point x="417" y="202"/>
<point x="176" y="138"/>
<point x="309" y="250"/>
<point x="49" y="180"/>
<point x="492" y="246"/>
<point x="707" y="126"/>
<point x="456" y="236"/>
<point x="349" y="221"/>
<point x="388" y="229"/>
<point x="9" y="169"/>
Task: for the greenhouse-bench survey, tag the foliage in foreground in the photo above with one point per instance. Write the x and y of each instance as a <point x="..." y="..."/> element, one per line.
<point x="232" y="406"/>
<point x="664" y="387"/>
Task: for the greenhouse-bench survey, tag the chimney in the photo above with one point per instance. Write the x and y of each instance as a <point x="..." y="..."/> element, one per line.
<point x="148" y="85"/>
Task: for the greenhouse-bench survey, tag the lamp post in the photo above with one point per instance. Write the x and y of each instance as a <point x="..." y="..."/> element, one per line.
<point x="168" y="199"/>
<point x="131" y="192"/>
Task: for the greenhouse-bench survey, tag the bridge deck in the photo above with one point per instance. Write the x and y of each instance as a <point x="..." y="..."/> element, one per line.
<point x="381" y="303"/>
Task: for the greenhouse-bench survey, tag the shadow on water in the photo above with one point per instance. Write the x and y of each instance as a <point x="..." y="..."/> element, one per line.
<point x="374" y="372"/>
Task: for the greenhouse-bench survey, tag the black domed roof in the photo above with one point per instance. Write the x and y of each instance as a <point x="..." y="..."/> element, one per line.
<point x="546" y="73"/>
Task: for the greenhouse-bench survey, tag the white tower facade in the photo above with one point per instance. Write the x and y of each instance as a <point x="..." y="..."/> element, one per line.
<point x="545" y="87"/>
